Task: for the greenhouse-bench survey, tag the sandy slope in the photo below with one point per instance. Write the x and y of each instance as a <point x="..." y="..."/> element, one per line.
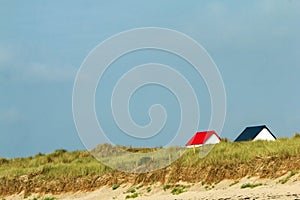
<point x="270" y="189"/>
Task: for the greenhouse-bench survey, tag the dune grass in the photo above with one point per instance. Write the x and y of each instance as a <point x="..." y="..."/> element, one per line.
<point x="226" y="160"/>
<point x="61" y="163"/>
<point x="244" y="152"/>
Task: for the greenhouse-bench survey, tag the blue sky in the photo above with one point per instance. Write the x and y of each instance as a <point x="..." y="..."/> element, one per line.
<point x="255" y="45"/>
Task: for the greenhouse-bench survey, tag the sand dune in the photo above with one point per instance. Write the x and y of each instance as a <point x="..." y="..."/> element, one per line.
<point x="269" y="189"/>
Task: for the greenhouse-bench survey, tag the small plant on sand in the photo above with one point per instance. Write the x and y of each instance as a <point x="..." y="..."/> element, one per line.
<point x="132" y="190"/>
<point x="216" y="182"/>
<point x="115" y="186"/>
<point x="234" y="183"/>
<point x="250" y="185"/>
<point x="166" y="187"/>
<point x="135" y="195"/>
<point x="180" y="189"/>
<point x="139" y="186"/>
<point x="177" y="191"/>
<point x="293" y="173"/>
<point x="207" y="187"/>
<point x="49" y="198"/>
<point x="284" y="180"/>
<point x="27" y="195"/>
<point x="148" y="189"/>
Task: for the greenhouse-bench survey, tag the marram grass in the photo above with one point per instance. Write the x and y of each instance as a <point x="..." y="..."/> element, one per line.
<point x="57" y="171"/>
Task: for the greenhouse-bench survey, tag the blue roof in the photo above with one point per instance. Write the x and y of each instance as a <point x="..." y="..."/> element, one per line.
<point x="251" y="132"/>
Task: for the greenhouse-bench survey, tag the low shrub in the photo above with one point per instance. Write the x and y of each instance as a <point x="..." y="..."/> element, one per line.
<point x="250" y="185"/>
<point x="115" y="186"/>
<point x="135" y="195"/>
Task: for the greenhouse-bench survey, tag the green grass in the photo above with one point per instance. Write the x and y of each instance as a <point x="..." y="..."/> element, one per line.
<point x="49" y="198"/>
<point x="284" y="180"/>
<point x="207" y="187"/>
<point x="46" y="198"/>
<point x="135" y="195"/>
<point x="139" y="186"/>
<point x="250" y="185"/>
<point x="234" y="183"/>
<point x="166" y="187"/>
<point x="115" y="186"/>
<point x="177" y="191"/>
<point x="132" y="190"/>
<point x="148" y="189"/>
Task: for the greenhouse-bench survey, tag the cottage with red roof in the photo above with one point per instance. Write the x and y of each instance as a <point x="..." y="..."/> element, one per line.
<point x="202" y="138"/>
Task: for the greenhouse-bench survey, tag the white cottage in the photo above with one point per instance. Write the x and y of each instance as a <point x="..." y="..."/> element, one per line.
<point x="256" y="133"/>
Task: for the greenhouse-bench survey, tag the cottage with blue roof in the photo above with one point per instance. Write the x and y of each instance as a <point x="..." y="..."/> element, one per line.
<point x="256" y="133"/>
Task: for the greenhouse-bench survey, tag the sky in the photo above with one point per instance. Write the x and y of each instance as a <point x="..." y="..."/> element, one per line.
<point x="255" y="45"/>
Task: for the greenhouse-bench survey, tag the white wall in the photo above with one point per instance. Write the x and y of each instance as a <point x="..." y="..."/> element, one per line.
<point x="213" y="139"/>
<point x="264" y="135"/>
<point x="194" y="146"/>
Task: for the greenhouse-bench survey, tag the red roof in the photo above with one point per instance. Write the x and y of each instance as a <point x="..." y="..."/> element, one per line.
<point x="201" y="137"/>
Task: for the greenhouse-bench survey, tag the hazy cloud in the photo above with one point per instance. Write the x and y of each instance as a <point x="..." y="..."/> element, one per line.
<point x="244" y="25"/>
<point x="11" y="115"/>
<point x="41" y="72"/>
<point x="5" y="55"/>
<point x="36" y="72"/>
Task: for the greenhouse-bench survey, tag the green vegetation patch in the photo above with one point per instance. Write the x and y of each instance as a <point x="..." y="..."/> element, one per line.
<point x="50" y="198"/>
<point x="135" y="195"/>
<point x="148" y="189"/>
<point x="139" y="186"/>
<point x="207" y="187"/>
<point x="234" y="183"/>
<point x="132" y="190"/>
<point x="177" y="191"/>
<point x="166" y="187"/>
<point x="115" y="186"/>
<point x="250" y="185"/>
<point x="284" y="180"/>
